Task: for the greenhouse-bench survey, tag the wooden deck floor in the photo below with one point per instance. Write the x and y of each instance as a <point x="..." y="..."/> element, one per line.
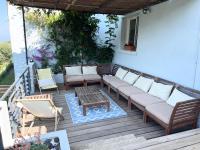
<point x="81" y="134"/>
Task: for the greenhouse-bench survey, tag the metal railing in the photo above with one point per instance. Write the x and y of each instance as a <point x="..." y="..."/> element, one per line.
<point x="21" y="87"/>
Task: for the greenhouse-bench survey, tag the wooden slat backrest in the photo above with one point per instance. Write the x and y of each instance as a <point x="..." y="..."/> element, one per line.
<point x="185" y="113"/>
<point x="104" y="69"/>
<point x="116" y="67"/>
<point x="189" y="91"/>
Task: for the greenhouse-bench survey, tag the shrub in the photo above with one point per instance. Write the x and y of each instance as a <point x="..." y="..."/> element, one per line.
<point x="74" y="35"/>
<point x="5" y="52"/>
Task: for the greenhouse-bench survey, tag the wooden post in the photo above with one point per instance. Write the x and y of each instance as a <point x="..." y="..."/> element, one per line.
<point x="25" y="39"/>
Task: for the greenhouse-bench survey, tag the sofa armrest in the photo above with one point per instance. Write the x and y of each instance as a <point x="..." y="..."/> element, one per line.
<point x="103" y="69"/>
<point x="185" y="113"/>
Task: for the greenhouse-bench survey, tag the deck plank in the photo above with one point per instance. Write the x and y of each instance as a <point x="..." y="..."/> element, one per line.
<point x="131" y="124"/>
<point x="93" y="131"/>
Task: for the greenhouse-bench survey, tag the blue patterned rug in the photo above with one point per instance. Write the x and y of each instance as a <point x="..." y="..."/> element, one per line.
<point x="93" y="113"/>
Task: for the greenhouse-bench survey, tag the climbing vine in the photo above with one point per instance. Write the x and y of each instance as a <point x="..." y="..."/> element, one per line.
<point x="74" y="35"/>
<point x="106" y="52"/>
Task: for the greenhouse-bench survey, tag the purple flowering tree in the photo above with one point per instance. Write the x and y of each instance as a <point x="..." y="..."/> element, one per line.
<point x="43" y="56"/>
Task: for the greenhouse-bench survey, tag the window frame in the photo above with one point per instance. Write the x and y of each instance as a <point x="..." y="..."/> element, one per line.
<point x="128" y="22"/>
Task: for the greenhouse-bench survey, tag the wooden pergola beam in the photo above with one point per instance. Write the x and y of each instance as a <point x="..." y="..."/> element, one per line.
<point x="119" y="7"/>
<point x="69" y="5"/>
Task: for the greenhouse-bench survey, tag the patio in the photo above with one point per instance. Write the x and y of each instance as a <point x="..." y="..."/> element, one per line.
<point x="144" y="127"/>
<point x="94" y="131"/>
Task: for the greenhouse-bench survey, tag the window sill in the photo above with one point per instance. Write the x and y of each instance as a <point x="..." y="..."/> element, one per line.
<point x="127" y="52"/>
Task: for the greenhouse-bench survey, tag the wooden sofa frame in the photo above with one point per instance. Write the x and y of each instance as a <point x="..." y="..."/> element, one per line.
<point x="184" y="113"/>
<point x="156" y="79"/>
<point x="101" y="70"/>
<point x="67" y="84"/>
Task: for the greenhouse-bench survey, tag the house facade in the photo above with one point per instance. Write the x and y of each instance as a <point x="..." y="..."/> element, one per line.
<point x="168" y="43"/>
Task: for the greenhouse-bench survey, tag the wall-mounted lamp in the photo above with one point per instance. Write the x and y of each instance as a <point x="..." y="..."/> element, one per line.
<point x="146" y="10"/>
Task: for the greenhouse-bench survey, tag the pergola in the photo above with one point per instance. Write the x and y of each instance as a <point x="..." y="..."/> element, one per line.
<point x="119" y="7"/>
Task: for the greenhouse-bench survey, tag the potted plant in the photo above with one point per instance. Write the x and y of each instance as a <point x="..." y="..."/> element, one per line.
<point x="129" y="46"/>
<point x="35" y="143"/>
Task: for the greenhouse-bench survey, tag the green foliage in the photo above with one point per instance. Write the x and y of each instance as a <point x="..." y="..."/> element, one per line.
<point x="111" y="24"/>
<point x="5" y="52"/>
<point x="105" y="54"/>
<point x="41" y="17"/>
<point x="39" y="147"/>
<point x="6" y="67"/>
<point x="74" y="35"/>
<point x="6" y="74"/>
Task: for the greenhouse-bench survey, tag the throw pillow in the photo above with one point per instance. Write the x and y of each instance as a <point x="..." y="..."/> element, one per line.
<point x="178" y="96"/>
<point x="143" y="83"/>
<point x="130" y="77"/>
<point x="89" y="69"/>
<point x="160" y="90"/>
<point x="74" y="70"/>
<point x="121" y="73"/>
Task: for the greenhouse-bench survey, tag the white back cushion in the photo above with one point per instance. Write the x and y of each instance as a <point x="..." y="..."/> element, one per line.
<point x="178" y="96"/>
<point x="74" y="70"/>
<point x="130" y="77"/>
<point x="121" y="73"/>
<point x="160" y="90"/>
<point x="89" y="69"/>
<point x="143" y="83"/>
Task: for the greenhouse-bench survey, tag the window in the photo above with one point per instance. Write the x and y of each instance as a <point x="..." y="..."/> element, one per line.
<point x="130" y="32"/>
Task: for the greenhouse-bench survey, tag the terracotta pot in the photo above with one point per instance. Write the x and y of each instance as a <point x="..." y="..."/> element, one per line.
<point x="129" y="47"/>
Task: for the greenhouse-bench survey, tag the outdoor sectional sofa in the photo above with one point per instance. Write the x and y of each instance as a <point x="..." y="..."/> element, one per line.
<point x="82" y="74"/>
<point x="168" y="103"/>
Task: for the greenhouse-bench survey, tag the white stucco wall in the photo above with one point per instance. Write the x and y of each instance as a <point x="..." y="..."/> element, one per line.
<point x="35" y="38"/>
<point x="17" y="39"/>
<point x="168" y="43"/>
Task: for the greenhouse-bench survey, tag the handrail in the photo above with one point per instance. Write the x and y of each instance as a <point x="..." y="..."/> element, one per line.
<point x="22" y="84"/>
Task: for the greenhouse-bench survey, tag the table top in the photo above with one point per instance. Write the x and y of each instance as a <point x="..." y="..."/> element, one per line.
<point x="91" y="95"/>
<point x="87" y="90"/>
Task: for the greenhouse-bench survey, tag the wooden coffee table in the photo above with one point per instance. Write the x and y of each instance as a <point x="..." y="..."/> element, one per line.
<point x="91" y="96"/>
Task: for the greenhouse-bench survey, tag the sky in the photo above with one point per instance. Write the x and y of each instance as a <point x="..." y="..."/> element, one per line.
<point x="4" y="27"/>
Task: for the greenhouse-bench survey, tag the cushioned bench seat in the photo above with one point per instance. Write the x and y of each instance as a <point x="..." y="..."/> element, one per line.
<point x="161" y="110"/>
<point x="74" y="78"/>
<point x="81" y="75"/>
<point x="144" y="100"/>
<point x="91" y="77"/>
<point x="169" y="105"/>
<point x="129" y="90"/>
<point x="118" y="83"/>
<point x="107" y="78"/>
<point x="78" y="78"/>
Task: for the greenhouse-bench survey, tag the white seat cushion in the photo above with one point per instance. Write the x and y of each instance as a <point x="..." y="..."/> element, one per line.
<point x="89" y="77"/>
<point x="130" y="77"/>
<point x="74" y="70"/>
<point x="178" y="96"/>
<point x="160" y="90"/>
<point x="144" y="99"/>
<point x="121" y="73"/>
<point x="108" y="78"/>
<point x="74" y="78"/>
<point x="89" y="70"/>
<point x="162" y="111"/>
<point x="129" y="90"/>
<point x="117" y="83"/>
<point x="143" y="83"/>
